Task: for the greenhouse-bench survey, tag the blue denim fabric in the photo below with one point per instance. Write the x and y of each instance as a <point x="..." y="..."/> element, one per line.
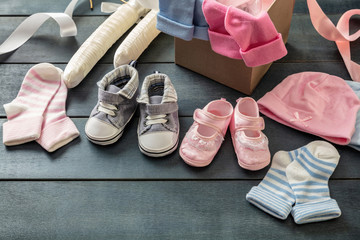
<point x="124" y="99"/>
<point x="355" y="139"/>
<point x="168" y="105"/>
<point x="201" y="26"/>
<point x="182" y="19"/>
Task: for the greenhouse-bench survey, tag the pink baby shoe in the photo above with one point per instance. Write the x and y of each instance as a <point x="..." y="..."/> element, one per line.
<point x="250" y="144"/>
<point x="206" y="135"/>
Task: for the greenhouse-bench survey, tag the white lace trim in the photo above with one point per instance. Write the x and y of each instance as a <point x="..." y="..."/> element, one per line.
<point x="255" y="145"/>
<point x="201" y="143"/>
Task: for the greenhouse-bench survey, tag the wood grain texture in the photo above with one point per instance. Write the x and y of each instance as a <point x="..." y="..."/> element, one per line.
<point x="25" y="8"/>
<point x="328" y="6"/>
<point x="82" y="159"/>
<point x="86" y="191"/>
<point x="159" y="210"/>
<point x="47" y="46"/>
<point x="304" y="43"/>
<point x="194" y="90"/>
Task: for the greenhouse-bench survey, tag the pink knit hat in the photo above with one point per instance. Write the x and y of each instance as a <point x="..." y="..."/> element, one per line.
<point x="316" y="103"/>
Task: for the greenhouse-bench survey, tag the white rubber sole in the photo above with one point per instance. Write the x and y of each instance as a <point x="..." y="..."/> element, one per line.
<point x="159" y="154"/>
<point x="106" y="142"/>
<point x="113" y="139"/>
<point x="163" y="153"/>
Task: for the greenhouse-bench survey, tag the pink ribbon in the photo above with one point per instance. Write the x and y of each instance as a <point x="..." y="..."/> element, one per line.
<point x="340" y="34"/>
<point x="302" y="120"/>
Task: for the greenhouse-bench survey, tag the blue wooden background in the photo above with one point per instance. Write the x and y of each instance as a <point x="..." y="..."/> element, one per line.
<point x="85" y="191"/>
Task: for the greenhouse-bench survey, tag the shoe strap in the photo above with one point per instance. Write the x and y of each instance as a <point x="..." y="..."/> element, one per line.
<point x="220" y="124"/>
<point x="249" y="123"/>
<point x="159" y="109"/>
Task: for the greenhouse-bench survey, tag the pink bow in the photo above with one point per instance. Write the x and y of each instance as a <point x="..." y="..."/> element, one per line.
<point x="298" y="119"/>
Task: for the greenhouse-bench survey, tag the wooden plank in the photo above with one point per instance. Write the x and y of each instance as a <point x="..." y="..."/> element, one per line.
<point x="22" y="7"/>
<point x="328" y="6"/>
<point x="194" y="90"/>
<point x="83" y="160"/>
<point x="190" y="86"/>
<point x="83" y="98"/>
<point x="25" y="8"/>
<point x="159" y="210"/>
<point x="47" y="45"/>
<point x="304" y="43"/>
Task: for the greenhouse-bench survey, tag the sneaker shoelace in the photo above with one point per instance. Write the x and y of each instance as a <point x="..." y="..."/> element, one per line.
<point x="154" y="119"/>
<point x="107" y="108"/>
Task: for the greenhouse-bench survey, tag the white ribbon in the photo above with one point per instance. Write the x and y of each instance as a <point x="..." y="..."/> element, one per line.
<point x="31" y="24"/>
<point x="109" y="7"/>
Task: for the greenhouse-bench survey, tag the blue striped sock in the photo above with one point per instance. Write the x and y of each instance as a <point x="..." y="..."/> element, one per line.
<point x="308" y="176"/>
<point x="274" y="194"/>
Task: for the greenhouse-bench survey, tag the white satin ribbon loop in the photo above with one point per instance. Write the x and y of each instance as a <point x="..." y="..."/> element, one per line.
<point x="109" y="7"/>
<point x="31" y="24"/>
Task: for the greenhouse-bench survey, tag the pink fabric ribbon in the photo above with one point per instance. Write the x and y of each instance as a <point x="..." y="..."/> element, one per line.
<point x="302" y="120"/>
<point x="340" y="34"/>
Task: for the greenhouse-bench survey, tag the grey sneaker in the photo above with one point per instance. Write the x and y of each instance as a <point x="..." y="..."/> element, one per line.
<point x="116" y="105"/>
<point x="158" y="129"/>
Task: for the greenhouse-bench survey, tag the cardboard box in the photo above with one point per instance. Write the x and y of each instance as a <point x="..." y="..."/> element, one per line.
<point x="198" y="56"/>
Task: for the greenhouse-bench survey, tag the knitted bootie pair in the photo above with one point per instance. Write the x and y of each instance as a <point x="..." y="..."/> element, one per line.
<point x="38" y="111"/>
<point x="301" y="177"/>
<point x="118" y="97"/>
<point x="206" y="135"/>
<point x="238" y="34"/>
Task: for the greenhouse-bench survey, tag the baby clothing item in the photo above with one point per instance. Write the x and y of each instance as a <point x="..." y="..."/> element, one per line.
<point x="149" y="4"/>
<point x="158" y="128"/>
<point x="205" y="136"/>
<point x="25" y="112"/>
<point x="299" y="176"/>
<point x="57" y="128"/>
<point x="200" y="25"/>
<point x="100" y="41"/>
<point x="250" y="144"/>
<point x="237" y="30"/>
<point x="316" y="103"/>
<point x="257" y="37"/>
<point x="220" y="40"/>
<point x="137" y="40"/>
<point x="355" y="139"/>
<point x="115" y="107"/>
<point x="182" y="19"/>
<point x="274" y="194"/>
<point x="38" y="111"/>
<point x="308" y="177"/>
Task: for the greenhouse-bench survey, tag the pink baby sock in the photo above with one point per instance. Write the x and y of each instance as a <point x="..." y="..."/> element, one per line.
<point x="57" y="129"/>
<point x="221" y="41"/>
<point x="25" y="112"/>
<point x="259" y="41"/>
